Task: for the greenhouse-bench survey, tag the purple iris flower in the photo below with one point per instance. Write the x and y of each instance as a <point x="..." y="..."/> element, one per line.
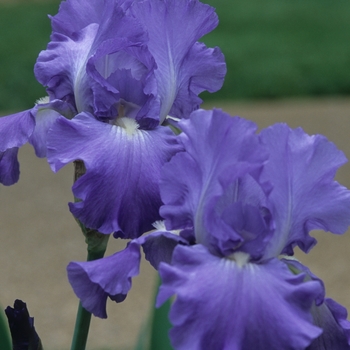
<point x="114" y="71"/>
<point x="233" y="202"/>
<point x="232" y="291"/>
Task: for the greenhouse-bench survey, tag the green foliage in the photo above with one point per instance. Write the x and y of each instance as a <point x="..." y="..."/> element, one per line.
<point x="279" y="48"/>
<point x="273" y="48"/>
<point x="24" y="31"/>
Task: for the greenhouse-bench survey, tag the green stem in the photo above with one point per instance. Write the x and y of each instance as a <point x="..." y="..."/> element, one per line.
<point x="81" y="330"/>
<point x="96" y="247"/>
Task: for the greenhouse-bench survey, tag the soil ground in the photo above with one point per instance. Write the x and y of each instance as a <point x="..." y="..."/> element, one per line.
<point x="39" y="236"/>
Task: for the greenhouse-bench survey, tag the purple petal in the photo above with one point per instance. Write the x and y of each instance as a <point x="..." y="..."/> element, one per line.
<point x="304" y="195"/>
<point x="9" y="167"/>
<point x="119" y="191"/>
<point x="15" y="131"/>
<point x="204" y="69"/>
<point x="62" y="67"/>
<point x="229" y="304"/>
<point x="94" y="281"/>
<point x="331" y="317"/>
<point x="159" y="246"/>
<point x="122" y="70"/>
<point x="173" y="27"/>
<point x="45" y="115"/>
<point x="75" y="15"/>
<point x="327" y="314"/>
<point x="198" y="185"/>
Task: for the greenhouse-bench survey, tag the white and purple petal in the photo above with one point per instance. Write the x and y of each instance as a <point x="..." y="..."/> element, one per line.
<point x="62" y="67"/>
<point x="304" y="195"/>
<point x="119" y="191"/>
<point x="173" y="27"/>
<point x="234" y="304"/>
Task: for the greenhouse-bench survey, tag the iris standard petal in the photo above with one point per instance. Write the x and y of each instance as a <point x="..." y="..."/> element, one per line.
<point x="219" y="151"/>
<point x="75" y="15"/>
<point x="203" y="69"/>
<point x="234" y="304"/>
<point x="94" y="281"/>
<point x="62" y="67"/>
<point x="304" y="195"/>
<point x="173" y="27"/>
<point x="119" y="191"/>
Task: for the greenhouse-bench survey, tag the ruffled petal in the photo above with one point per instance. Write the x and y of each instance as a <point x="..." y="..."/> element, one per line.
<point x="15" y="131"/>
<point x="304" y="195"/>
<point x="75" y="15"/>
<point x="327" y="314"/>
<point x="198" y="186"/>
<point x="173" y="27"/>
<point x="204" y="69"/>
<point x="119" y="192"/>
<point x="331" y="317"/>
<point x="226" y="304"/>
<point x="94" y="281"/>
<point x="62" y="67"/>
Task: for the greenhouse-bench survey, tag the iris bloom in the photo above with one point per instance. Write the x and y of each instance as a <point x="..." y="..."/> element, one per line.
<point x="236" y="204"/>
<point x="114" y="71"/>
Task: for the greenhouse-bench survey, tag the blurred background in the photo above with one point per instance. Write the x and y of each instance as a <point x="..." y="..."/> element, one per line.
<point x="288" y="61"/>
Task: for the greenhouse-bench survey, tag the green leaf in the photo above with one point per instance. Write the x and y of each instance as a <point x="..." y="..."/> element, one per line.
<point x="5" y="337"/>
<point x="154" y="335"/>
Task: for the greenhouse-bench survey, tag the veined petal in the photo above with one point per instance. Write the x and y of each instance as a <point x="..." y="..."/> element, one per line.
<point x="15" y="129"/>
<point x="234" y="305"/>
<point x="94" y="281"/>
<point x="173" y="27"/>
<point x="304" y="195"/>
<point x="198" y="185"/>
<point x="119" y="191"/>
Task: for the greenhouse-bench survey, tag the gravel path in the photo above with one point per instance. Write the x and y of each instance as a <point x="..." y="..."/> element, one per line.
<point x="39" y="237"/>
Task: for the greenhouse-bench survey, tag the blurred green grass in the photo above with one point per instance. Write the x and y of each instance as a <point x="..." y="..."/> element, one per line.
<point x="273" y="48"/>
